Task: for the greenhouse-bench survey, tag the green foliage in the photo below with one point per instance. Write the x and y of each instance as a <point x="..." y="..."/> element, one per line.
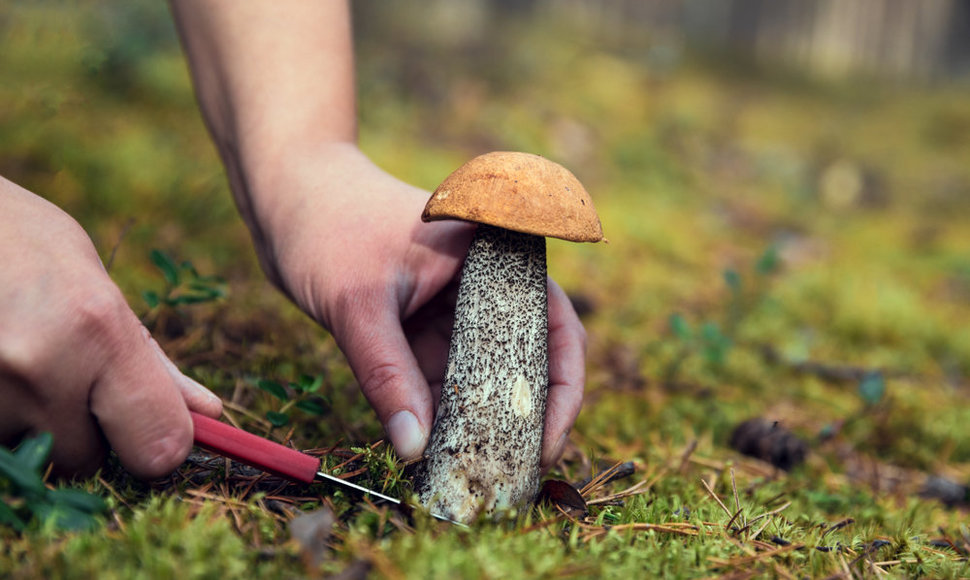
<point x="712" y="341"/>
<point x="164" y="538"/>
<point x="183" y="284"/>
<point x="26" y="499"/>
<point x="383" y="468"/>
<point x="303" y="394"/>
<point x="872" y="388"/>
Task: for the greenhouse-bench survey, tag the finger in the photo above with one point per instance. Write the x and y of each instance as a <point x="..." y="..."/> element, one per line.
<point x="389" y="376"/>
<point x="139" y="406"/>
<point x="79" y="448"/>
<point x="567" y="373"/>
<point x="197" y="397"/>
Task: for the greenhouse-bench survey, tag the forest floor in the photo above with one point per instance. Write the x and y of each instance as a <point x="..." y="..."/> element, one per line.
<point x="779" y="325"/>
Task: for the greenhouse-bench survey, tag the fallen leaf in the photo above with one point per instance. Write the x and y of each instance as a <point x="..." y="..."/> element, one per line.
<point x="564" y="496"/>
<point x="312" y="530"/>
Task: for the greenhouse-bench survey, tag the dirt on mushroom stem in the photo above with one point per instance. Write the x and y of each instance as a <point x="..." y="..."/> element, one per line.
<point x="484" y="451"/>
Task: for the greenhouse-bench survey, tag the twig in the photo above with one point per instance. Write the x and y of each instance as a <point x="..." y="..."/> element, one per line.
<point x="637" y="489"/>
<point x="734" y="517"/>
<point x="717" y="499"/>
<point x="771" y="513"/>
<point x="682" y="529"/>
<point x="241" y="409"/>
<point x="685" y="456"/>
<point x="113" y="491"/>
<point x="761" y="529"/>
<point x="114" y="249"/>
<point x="838" y="526"/>
<point x="734" y="486"/>
<point x="601" y="479"/>
<point x="745" y="560"/>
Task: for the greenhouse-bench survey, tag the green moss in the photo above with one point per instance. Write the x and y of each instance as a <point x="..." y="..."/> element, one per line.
<point x="695" y="172"/>
<point x="163" y="538"/>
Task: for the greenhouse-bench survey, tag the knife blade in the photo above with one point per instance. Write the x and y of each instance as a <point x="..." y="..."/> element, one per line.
<point x="280" y="460"/>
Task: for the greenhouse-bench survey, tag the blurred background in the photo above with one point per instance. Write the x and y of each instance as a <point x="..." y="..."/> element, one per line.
<point x="785" y="187"/>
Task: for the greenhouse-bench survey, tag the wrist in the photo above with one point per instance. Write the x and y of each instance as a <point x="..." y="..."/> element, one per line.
<point x="286" y="192"/>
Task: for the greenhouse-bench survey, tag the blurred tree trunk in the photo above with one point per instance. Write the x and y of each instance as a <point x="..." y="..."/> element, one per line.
<point x="901" y="39"/>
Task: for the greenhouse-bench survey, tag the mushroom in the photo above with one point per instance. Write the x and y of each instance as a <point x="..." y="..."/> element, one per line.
<point x="484" y="449"/>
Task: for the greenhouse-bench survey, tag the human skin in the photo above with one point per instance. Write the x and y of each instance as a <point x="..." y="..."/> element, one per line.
<point x="340" y="237"/>
<point x="74" y="359"/>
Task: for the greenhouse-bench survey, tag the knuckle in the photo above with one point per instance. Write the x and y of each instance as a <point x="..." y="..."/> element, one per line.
<point x="87" y="322"/>
<point x="101" y="315"/>
<point x="380" y="382"/>
<point x="99" y="309"/>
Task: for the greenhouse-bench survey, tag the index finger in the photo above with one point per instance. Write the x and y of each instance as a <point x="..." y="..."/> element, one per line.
<point x="567" y="373"/>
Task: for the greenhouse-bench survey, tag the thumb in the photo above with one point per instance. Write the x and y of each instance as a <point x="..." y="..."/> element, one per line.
<point x="140" y="407"/>
<point x="197" y="397"/>
<point x="389" y="377"/>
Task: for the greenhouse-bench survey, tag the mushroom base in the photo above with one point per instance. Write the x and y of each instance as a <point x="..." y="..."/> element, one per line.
<point x="485" y="446"/>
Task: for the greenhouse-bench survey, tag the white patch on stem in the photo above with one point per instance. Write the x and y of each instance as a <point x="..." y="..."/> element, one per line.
<point x="522" y="396"/>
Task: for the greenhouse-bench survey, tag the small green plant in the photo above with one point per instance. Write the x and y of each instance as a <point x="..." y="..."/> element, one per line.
<point x="712" y="340"/>
<point x="26" y="498"/>
<point x="382" y="465"/>
<point x="301" y="394"/>
<point x="183" y="284"/>
<point x="872" y="388"/>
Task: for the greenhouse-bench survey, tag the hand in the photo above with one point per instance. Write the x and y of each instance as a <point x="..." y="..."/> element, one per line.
<point x="74" y="359"/>
<point x="345" y="241"/>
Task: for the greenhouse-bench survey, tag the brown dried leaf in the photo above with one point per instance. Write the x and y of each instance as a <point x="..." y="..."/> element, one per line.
<point x="312" y="530"/>
<point x="564" y="496"/>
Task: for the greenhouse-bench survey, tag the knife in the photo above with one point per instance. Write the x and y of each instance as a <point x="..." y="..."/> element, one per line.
<point x="280" y="460"/>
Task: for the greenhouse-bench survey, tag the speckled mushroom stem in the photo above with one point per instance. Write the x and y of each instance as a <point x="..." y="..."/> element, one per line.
<point x="484" y="450"/>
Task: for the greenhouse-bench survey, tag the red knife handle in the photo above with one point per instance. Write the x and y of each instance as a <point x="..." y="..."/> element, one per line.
<point x="254" y="450"/>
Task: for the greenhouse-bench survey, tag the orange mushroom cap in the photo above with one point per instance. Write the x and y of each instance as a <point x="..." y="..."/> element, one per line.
<point x="520" y="192"/>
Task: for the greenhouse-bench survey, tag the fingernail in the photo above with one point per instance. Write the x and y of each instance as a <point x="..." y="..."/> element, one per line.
<point x="185" y="381"/>
<point x="406" y="434"/>
<point x="202" y="389"/>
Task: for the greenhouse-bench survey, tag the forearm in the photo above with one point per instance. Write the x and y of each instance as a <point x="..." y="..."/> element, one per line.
<point x="271" y="79"/>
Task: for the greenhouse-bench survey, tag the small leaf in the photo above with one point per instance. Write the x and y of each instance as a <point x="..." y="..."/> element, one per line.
<point x="273" y="388"/>
<point x="26" y="480"/>
<point x="9" y="518"/>
<point x="151" y="298"/>
<point x="564" y="496"/>
<point x="769" y="262"/>
<point x="680" y="327"/>
<point x="311" y="383"/>
<point x="63" y="516"/>
<point x="733" y="280"/>
<point x="308" y="383"/>
<point x="277" y="419"/>
<point x="311" y="407"/>
<point x="211" y="289"/>
<point x="872" y="388"/>
<point x="167" y="266"/>
<point x="33" y="452"/>
<point x="77" y="499"/>
<point x="210" y="280"/>
<point x="711" y="333"/>
<point x="189" y="269"/>
<point x="196" y="298"/>
<point x="716" y="344"/>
